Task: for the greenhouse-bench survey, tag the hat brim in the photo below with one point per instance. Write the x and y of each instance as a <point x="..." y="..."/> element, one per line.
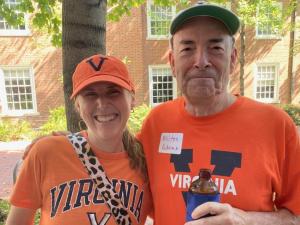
<point x="103" y="78"/>
<point x="229" y="19"/>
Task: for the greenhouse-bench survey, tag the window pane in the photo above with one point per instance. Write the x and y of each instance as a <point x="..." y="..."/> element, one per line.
<point x="9" y="98"/>
<point x="29" y="105"/>
<point x="23" y="105"/>
<point x="17" y="106"/>
<point x="10" y="106"/>
<point x="28" y="89"/>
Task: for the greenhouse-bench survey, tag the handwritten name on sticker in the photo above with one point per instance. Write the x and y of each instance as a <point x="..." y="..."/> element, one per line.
<point x="170" y="143"/>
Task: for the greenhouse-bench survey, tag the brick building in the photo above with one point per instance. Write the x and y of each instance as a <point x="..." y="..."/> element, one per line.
<point x="30" y="68"/>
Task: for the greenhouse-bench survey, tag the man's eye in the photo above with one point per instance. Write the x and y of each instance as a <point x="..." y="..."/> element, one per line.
<point x="217" y="48"/>
<point x="185" y="49"/>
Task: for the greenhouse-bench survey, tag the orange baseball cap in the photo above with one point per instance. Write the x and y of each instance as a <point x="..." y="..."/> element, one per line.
<point x="98" y="68"/>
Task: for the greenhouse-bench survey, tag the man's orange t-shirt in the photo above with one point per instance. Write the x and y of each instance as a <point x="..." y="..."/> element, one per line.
<point x="53" y="178"/>
<point x="252" y="148"/>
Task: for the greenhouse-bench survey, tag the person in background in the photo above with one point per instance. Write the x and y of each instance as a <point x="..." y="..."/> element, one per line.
<point x="58" y="183"/>
<point x="252" y="148"/>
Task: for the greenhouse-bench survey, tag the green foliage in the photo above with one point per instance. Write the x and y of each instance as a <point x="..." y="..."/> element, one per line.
<point x="46" y="16"/>
<point x="56" y="121"/>
<point x="136" y="118"/>
<point x="4" y="209"/>
<point x="12" y="130"/>
<point x="293" y="111"/>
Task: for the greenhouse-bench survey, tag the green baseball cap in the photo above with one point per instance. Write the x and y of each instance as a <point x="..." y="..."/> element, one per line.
<point x="228" y="18"/>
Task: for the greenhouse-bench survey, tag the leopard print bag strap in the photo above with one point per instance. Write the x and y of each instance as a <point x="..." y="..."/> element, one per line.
<point x="97" y="173"/>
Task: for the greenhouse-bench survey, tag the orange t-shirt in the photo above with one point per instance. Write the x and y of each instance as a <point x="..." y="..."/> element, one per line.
<point x="252" y="149"/>
<point x="53" y="178"/>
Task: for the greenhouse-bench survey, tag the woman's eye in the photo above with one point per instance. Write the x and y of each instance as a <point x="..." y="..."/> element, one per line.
<point x="89" y="94"/>
<point x="114" y="92"/>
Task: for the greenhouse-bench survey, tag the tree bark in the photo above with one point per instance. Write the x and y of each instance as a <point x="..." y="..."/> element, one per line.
<point x="291" y="52"/>
<point x="242" y="58"/>
<point x="83" y="35"/>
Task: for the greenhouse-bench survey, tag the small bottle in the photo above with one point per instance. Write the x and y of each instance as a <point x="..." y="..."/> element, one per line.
<point x="200" y="191"/>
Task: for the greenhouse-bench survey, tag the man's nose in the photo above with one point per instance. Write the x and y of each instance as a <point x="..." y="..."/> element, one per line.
<point x="202" y="60"/>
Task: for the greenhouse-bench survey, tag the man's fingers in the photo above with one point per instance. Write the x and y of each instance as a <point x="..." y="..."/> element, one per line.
<point x="212" y="208"/>
<point x="28" y="147"/>
<point x="53" y="133"/>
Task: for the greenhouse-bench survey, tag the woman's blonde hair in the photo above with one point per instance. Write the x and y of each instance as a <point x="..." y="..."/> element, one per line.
<point x="135" y="152"/>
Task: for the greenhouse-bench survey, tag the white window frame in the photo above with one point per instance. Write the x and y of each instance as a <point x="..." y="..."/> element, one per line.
<point x="17" y="32"/>
<point x="276" y="83"/>
<point x="3" y="95"/>
<point x="174" y="84"/>
<point x="267" y="36"/>
<point x="149" y="35"/>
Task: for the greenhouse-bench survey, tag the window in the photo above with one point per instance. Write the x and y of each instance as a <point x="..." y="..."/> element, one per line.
<point x="162" y="85"/>
<point x="8" y="30"/>
<point x="17" y="91"/>
<point x="266" y="87"/>
<point x="158" y="20"/>
<point x="268" y="24"/>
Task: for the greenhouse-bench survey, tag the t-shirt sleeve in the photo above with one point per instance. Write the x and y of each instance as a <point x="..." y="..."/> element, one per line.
<point x="27" y="190"/>
<point x="289" y="196"/>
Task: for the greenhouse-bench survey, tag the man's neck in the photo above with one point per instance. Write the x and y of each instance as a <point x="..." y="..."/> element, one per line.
<point x="209" y="106"/>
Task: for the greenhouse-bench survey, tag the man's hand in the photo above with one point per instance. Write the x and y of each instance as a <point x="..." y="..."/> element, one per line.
<point x="222" y="213"/>
<point x="54" y="133"/>
<point x="225" y="214"/>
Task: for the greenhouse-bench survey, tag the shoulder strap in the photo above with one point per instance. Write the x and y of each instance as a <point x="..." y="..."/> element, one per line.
<point x="102" y="182"/>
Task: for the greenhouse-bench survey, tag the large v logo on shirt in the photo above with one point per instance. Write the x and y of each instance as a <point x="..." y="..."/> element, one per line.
<point x="103" y="221"/>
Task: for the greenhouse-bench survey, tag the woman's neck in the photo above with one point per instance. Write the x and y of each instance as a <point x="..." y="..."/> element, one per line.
<point x="107" y="145"/>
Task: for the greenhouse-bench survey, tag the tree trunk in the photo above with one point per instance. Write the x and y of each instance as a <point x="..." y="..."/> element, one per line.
<point x="291" y="52"/>
<point x="242" y="58"/>
<point x="83" y="34"/>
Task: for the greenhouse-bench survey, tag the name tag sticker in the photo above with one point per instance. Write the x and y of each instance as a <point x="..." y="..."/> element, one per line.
<point x="170" y="143"/>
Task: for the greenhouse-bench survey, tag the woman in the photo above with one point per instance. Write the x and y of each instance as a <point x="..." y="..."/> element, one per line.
<point x="58" y="182"/>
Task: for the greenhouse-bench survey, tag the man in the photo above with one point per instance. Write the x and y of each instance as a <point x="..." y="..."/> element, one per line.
<point x="252" y="148"/>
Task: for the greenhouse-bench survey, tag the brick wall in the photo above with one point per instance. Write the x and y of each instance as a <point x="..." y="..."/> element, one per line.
<point x="127" y="39"/>
<point x="36" y="52"/>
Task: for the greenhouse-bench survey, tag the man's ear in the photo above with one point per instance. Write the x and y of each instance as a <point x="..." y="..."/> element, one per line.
<point x="233" y="58"/>
<point x="171" y="61"/>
